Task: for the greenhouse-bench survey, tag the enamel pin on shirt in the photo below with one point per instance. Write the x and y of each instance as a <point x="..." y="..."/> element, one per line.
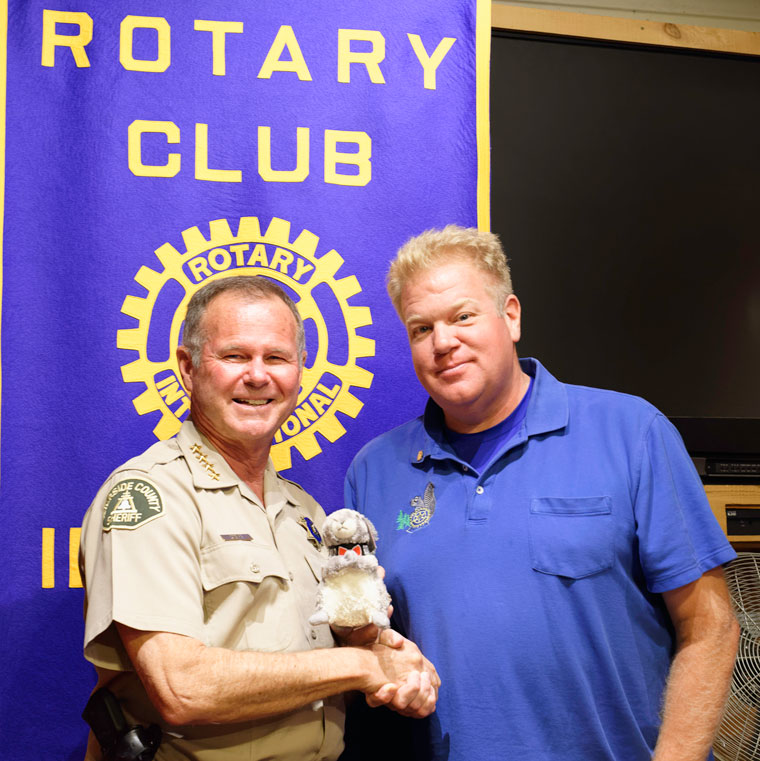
<point x="314" y="536"/>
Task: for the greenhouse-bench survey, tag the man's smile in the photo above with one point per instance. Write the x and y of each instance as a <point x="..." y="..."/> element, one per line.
<point x="450" y="367"/>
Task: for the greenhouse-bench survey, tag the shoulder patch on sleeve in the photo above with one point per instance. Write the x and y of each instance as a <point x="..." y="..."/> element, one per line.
<point x="131" y="502"/>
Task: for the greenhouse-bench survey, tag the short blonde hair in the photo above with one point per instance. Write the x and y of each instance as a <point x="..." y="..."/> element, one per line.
<point x="452" y="243"/>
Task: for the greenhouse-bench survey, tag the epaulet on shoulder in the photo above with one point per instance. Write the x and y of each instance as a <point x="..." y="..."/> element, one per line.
<point x="298" y="494"/>
<point x="159" y="453"/>
<point x="292" y="483"/>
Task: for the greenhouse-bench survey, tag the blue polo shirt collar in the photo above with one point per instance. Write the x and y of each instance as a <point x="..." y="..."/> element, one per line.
<point x="547" y="412"/>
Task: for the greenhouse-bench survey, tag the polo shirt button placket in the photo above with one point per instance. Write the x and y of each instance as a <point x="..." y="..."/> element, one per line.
<point x="479" y="506"/>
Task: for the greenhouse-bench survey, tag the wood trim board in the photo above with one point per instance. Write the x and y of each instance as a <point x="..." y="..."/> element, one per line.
<point x="520" y="18"/>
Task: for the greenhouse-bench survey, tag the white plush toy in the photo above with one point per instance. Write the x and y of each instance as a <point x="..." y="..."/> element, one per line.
<point x="351" y="592"/>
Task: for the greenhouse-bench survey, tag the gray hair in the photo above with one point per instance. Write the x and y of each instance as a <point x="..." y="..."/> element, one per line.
<point x="251" y="288"/>
<point x="452" y="243"/>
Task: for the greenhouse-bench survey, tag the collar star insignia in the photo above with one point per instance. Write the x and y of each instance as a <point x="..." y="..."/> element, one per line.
<point x="202" y="458"/>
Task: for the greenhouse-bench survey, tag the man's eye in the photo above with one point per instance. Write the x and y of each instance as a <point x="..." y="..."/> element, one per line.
<point x="420" y="330"/>
<point x="464" y="316"/>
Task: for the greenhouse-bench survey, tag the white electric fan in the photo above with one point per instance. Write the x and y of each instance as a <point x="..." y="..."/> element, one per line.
<point x="738" y="737"/>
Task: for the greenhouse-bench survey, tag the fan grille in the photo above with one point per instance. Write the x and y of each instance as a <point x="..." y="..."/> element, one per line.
<point x="738" y="737"/>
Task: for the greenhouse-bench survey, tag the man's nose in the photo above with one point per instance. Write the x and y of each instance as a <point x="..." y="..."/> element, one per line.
<point x="256" y="373"/>
<point x="444" y="338"/>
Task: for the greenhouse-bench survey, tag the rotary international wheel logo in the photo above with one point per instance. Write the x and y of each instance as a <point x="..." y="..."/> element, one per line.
<point x="322" y="299"/>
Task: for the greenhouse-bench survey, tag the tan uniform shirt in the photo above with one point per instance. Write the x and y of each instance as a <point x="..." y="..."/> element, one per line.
<point x="176" y="542"/>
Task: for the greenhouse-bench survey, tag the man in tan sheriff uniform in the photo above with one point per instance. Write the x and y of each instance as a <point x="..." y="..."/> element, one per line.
<point x="201" y="564"/>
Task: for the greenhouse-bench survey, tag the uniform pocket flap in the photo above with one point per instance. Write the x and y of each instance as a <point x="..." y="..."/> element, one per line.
<point x="239" y="561"/>
<point x="316" y="561"/>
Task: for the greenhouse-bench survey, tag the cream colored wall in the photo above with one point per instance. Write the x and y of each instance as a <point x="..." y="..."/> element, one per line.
<point x="728" y="14"/>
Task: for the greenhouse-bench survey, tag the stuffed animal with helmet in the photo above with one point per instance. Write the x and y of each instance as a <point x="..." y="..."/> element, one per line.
<point x="351" y="592"/>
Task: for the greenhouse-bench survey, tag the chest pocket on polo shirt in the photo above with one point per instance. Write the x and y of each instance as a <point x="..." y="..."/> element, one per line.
<point x="571" y="537"/>
<point x="245" y="597"/>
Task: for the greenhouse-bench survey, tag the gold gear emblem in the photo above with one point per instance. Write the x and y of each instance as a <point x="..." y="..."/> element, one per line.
<point x="290" y="264"/>
<point x="419" y="517"/>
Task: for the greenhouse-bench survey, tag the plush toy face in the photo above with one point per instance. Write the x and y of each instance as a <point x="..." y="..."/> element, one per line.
<point x="347" y="529"/>
<point x="345" y="526"/>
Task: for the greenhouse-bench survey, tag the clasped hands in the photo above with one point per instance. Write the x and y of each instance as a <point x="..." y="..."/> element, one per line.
<point x="401" y="678"/>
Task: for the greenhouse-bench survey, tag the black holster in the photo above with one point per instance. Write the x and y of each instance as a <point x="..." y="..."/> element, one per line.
<point x="118" y="741"/>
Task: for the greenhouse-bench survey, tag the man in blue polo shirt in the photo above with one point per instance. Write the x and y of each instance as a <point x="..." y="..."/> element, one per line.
<point x="548" y="546"/>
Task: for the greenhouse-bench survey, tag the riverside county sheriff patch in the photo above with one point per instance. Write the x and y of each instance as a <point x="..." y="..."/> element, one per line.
<point x="131" y="503"/>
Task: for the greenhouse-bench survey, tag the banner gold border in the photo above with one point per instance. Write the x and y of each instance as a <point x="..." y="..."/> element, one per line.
<point x="482" y="105"/>
<point x="3" y="81"/>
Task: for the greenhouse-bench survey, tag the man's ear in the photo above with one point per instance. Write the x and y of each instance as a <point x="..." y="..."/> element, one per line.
<point x="512" y="316"/>
<point x="185" y="368"/>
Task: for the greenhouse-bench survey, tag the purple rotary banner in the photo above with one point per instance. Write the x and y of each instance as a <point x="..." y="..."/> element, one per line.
<point x="150" y="147"/>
